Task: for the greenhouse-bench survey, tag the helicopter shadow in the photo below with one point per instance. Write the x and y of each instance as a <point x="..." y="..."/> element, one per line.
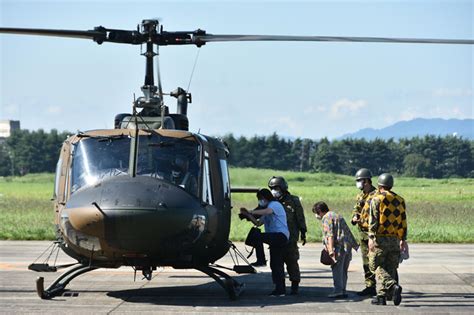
<point x="210" y="294"/>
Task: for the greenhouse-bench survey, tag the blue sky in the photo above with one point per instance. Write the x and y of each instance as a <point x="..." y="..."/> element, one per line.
<point x="310" y="90"/>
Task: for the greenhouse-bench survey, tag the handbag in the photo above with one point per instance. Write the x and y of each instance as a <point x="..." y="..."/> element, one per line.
<point x="325" y="258"/>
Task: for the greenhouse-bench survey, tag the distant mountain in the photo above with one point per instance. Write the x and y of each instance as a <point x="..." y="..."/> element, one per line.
<point x="418" y="127"/>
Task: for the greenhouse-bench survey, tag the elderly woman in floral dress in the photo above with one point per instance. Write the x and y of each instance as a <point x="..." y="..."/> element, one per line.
<point x="339" y="242"/>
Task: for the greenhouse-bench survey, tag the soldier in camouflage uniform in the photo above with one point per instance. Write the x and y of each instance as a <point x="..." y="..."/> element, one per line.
<point x="387" y="236"/>
<point x="360" y="216"/>
<point x="296" y="225"/>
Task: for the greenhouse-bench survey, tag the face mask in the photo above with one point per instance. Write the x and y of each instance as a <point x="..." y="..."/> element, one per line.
<point x="276" y="193"/>
<point x="318" y="217"/>
<point x="360" y="185"/>
<point x="262" y="202"/>
<point x="175" y="174"/>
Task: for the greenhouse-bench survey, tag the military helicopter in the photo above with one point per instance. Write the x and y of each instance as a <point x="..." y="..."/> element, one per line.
<point x="149" y="192"/>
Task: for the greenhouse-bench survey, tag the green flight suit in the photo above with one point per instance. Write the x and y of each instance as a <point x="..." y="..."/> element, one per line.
<point x="296" y="224"/>
<point x="361" y="209"/>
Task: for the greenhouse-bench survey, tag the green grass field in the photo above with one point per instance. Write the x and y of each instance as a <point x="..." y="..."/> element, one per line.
<point x="437" y="210"/>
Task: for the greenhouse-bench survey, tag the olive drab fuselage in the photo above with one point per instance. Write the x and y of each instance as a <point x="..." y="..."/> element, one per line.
<point x="107" y="217"/>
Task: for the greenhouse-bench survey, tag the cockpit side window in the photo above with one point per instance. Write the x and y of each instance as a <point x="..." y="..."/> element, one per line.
<point x="206" y="183"/>
<point x="225" y="178"/>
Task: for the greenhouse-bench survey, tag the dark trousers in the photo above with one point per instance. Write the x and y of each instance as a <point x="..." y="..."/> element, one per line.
<point x="291" y="255"/>
<point x="277" y="242"/>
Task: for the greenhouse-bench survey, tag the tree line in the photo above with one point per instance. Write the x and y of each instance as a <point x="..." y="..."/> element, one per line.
<point x="430" y="156"/>
<point x="27" y="152"/>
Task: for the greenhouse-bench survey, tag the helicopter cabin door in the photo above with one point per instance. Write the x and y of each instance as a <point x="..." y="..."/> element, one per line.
<point x="216" y="188"/>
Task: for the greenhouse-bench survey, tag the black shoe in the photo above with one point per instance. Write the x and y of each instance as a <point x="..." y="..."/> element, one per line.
<point x="259" y="263"/>
<point x="379" y="300"/>
<point x="369" y="291"/>
<point x="278" y="293"/>
<point x="294" y="288"/>
<point x="397" y="294"/>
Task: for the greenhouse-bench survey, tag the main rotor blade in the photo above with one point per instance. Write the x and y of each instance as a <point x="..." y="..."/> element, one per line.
<point x="198" y="37"/>
<point x="286" y="38"/>
<point x="99" y="34"/>
<point x="51" y="32"/>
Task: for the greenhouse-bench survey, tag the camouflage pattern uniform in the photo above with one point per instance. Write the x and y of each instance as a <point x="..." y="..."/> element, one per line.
<point x="361" y="210"/>
<point x="296" y="224"/>
<point x="387" y="226"/>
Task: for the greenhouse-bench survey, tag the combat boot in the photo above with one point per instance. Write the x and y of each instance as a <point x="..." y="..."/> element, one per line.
<point x="397" y="294"/>
<point x="379" y="300"/>
<point x="294" y="287"/>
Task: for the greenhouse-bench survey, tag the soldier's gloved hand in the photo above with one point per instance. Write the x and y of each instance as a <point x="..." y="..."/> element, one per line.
<point x="355" y="220"/>
<point x="303" y="238"/>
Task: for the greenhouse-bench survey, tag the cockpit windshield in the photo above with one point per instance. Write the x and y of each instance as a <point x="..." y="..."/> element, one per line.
<point x="175" y="160"/>
<point x="97" y="158"/>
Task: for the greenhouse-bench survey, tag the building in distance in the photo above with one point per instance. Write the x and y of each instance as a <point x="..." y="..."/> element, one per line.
<point x="7" y="127"/>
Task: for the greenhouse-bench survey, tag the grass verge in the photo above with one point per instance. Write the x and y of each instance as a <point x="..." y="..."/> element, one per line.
<point x="439" y="211"/>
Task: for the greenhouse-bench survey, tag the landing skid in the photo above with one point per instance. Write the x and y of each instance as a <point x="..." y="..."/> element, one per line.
<point x="58" y="286"/>
<point x="231" y="286"/>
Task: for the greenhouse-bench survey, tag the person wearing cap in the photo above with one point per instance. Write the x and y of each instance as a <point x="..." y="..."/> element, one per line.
<point x="360" y="216"/>
<point x="387" y="237"/>
<point x="273" y="217"/>
<point x="296" y="225"/>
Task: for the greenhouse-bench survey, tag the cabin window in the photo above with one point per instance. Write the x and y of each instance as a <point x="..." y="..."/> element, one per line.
<point x="225" y="178"/>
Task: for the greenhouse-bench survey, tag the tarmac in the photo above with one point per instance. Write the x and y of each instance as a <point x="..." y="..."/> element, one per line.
<point x="437" y="279"/>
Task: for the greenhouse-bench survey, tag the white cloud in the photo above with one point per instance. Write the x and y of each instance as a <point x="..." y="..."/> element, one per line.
<point x="344" y="106"/>
<point x="53" y="109"/>
<point x="452" y="92"/>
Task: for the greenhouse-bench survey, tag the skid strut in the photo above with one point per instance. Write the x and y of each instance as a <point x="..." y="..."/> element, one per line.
<point x="57" y="287"/>
<point x="231" y="286"/>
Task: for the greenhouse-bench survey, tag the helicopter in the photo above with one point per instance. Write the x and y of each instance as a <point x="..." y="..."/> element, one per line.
<point x="149" y="193"/>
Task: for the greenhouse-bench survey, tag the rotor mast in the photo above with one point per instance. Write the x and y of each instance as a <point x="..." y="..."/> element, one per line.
<point x="149" y="28"/>
<point x="150" y="102"/>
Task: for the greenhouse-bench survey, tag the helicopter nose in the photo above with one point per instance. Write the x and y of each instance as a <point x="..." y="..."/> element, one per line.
<point x="139" y="214"/>
<point x="88" y="220"/>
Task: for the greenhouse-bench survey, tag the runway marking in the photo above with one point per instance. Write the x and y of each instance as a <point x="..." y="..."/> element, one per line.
<point x="13" y="267"/>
